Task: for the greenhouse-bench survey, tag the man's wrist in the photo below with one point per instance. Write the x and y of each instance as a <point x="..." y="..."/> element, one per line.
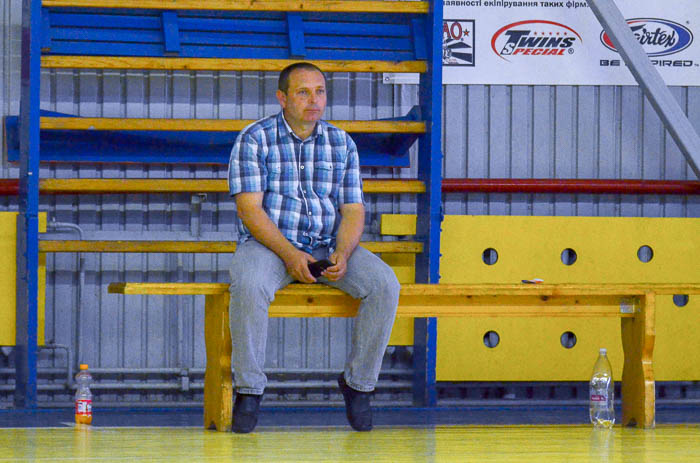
<point x="288" y="252"/>
<point x="344" y="252"/>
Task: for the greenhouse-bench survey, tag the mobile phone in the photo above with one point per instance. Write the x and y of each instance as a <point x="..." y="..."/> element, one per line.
<point x="316" y="268"/>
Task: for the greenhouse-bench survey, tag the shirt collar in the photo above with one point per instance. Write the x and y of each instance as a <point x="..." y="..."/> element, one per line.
<point x="318" y="130"/>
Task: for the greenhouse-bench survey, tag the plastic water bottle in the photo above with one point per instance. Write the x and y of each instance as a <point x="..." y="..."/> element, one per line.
<point x="602" y="393"/>
<point x="83" y="396"/>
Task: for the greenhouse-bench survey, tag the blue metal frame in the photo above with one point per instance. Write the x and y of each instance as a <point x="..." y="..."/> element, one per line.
<point x="268" y="35"/>
<point x="429" y="209"/>
<point x="171" y="33"/>
<point x="297" y="44"/>
<point x="376" y="149"/>
<point x="28" y="218"/>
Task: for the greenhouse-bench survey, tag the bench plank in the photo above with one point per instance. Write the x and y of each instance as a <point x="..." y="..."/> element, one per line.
<point x="220" y="64"/>
<point x="166" y="185"/>
<point x="211" y="125"/>
<point x="342" y="6"/>
<point x="429" y="290"/>
<point x="412" y="247"/>
<point x="422" y="300"/>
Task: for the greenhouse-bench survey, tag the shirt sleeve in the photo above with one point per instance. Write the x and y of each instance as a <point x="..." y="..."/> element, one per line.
<point x="350" y="191"/>
<point x="246" y="169"/>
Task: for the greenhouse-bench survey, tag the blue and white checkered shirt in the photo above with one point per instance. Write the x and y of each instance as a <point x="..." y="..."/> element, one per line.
<point x="304" y="181"/>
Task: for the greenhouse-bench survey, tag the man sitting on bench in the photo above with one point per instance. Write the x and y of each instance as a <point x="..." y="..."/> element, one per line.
<point x="297" y="187"/>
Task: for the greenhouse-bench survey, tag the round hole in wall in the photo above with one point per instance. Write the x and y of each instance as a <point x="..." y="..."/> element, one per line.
<point x="568" y="256"/>
<point x="491" y="339"/>
<point x="568" y="339"/>
<point x="645" y="253"/>
<point x="489" y="256"/>
<point x="681" y="300"/>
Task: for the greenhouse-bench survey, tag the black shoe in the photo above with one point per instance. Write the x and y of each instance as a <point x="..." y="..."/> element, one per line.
<point x="357" y="407"/>
<point x="245" y="413"/>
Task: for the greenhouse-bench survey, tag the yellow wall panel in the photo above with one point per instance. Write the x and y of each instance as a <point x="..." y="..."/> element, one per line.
<point x="8" y="279"/>
<point x="402" y="332"/>
<point x="677" y="347"/>
<point x="529" y="349"/>
<point x="398" y="224"/>
<point x="531" y="247"/>
<point x="404" y="265"/>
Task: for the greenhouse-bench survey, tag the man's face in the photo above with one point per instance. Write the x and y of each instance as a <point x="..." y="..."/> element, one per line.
<point x="305" y="99"/>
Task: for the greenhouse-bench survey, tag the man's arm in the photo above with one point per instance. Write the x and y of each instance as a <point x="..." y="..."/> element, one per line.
<point x="264" y="230"/>
<point x="352" y="224"/>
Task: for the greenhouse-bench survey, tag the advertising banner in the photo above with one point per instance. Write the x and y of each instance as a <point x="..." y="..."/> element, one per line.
<point x="562" y="43"/>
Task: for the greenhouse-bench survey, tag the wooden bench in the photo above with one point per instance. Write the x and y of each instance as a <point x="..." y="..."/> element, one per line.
<point x="634" y="304"/>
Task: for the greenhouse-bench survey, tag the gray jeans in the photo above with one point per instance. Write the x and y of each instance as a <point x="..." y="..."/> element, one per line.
<point x="257" y="273"/>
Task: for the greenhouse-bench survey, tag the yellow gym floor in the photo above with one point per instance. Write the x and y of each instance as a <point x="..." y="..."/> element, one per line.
<point x="557" y="443"/>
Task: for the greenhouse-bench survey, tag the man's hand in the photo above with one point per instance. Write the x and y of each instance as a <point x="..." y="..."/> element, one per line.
<point x="349" y="233"/>
<point x="297" y="263"/>
<point x="266" y="232"/>
<point x="337" y="271"/>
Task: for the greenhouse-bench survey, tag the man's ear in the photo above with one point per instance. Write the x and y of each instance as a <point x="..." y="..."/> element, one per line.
<point x="282" y="98"/>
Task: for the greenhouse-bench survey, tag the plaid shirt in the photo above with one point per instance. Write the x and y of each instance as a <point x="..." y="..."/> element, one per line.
<point x="304" y="182"/>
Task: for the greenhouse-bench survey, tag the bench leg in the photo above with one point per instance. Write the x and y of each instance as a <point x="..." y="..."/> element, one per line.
<point x="218" y="388"/>
<point x="638" y="392"/>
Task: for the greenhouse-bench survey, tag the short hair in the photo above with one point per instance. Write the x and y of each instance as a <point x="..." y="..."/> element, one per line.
<point x="283" y="81"/>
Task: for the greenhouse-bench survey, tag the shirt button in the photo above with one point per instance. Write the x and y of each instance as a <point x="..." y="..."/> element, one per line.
<point x="302" y="167"/>
<point x="309" y="212"/>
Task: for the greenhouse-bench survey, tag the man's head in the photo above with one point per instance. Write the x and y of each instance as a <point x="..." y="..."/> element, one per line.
<point x="283" y="81"/>
<point x="302" y="95"/>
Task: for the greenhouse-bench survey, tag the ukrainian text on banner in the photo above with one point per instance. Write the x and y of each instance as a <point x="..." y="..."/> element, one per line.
<point x="562" y="42"/>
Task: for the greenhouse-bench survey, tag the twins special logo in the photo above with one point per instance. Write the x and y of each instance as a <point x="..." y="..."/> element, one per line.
<point x="535" y="37"/>
<point x="458" y="42"/>
<point x="658" y="37"/>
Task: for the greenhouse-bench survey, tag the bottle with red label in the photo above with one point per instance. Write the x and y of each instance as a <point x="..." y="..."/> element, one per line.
<point x="602" y="393"/>
<point x="83" y="396"/>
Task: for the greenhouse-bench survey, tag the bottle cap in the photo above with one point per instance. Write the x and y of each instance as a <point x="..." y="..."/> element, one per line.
<point x="603" y="351"/>
<point x="83" y="366"/>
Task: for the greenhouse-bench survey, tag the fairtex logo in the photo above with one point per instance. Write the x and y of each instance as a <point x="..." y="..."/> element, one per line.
<point x="658" y="37"/>
<point x="534" y="38"/>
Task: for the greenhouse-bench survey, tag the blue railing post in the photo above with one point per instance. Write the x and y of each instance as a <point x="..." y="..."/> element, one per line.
<point x="27" y="220"/>
<point x="429" y="207"/>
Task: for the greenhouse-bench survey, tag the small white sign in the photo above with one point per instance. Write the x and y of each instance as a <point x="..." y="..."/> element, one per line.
<point x="400" y="78"/>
